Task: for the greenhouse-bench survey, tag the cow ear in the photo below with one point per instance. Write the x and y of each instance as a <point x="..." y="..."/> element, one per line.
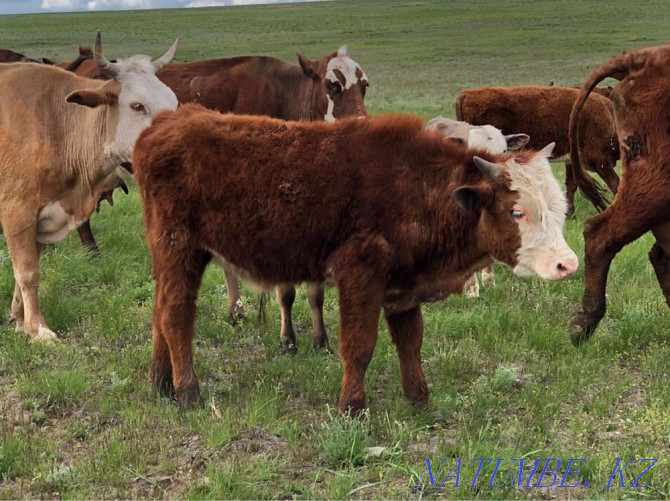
<point x="106" y="94"/>
<point x="470" y="198"/>
<point x="308" y="67"/>
<point x="516" y="141"/>
<point x="46" y="60"/>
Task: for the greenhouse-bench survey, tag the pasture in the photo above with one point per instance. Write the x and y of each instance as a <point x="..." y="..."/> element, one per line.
<point x="79" y="419"/>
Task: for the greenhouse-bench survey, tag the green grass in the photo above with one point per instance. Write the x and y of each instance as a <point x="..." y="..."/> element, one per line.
<point x="78" y="420"/>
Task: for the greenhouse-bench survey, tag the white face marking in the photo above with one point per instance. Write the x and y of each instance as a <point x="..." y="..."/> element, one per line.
<point x="139" y="86"/>
<point x="544" y="251"/>
<point x="347" y="67"/>
<point x="329" y="112"/>
<point x="488" y="138"/>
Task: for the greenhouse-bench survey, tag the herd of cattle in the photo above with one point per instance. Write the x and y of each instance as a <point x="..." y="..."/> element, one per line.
<point x="277" y="172"/>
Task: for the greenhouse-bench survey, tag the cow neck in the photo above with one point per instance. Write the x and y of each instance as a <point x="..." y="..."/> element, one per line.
<point x="298" y="95"/>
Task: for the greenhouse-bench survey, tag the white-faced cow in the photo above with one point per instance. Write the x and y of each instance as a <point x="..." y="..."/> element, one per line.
<point x="544" y="112"/>
<point x="324" y="89"/>
<point x="488" y="138"/>
<point x="642" y="110"/>
<point x="391" y="214"/>
<point x="62" y="137"/>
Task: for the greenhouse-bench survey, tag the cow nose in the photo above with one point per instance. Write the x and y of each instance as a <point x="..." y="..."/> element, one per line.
<point x="566" y="267"/>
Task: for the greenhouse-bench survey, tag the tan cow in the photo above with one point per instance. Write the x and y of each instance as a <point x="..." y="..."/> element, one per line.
<point x="62" y="138"/>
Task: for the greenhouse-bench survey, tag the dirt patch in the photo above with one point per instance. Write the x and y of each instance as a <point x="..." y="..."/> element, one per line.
<point x="12" y="410"/>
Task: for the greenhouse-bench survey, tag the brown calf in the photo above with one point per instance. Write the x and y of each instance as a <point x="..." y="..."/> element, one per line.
<point x="324" y="89"/>
<point x="389" y="213"/>
<point x="642" y="111"/>
<point x="543" y="112"/>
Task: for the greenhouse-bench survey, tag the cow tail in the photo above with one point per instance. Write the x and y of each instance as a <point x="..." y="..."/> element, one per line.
<point x="263" y="315"/>
<point x="617" y="67"/>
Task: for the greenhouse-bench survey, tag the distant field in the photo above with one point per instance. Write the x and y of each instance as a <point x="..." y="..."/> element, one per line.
<point x="79" y="420"/>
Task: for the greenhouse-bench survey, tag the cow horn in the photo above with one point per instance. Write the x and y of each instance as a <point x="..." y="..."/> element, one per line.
<point x="490" y="169"/>
<point x="107" y="67"/>
<point x="167" y="57"/>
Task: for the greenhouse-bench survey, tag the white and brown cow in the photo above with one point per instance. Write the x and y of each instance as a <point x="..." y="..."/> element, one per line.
<point x="488" y="138"/>
<point x="394" y="216"/>
<point x="62" y="138"/>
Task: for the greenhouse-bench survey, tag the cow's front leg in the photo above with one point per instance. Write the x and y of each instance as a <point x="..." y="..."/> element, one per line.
<point x="286" y="297"/>
<point x="471" y="287"/>
<point x="178" y="274"/>
<point x="360" y="271"/>
<point x="235" y="305"/>
<point x="87" y="239"/>
<point x="406" y="330"/>
<point x="25" y="254"/>
<point x="315" y="296"/>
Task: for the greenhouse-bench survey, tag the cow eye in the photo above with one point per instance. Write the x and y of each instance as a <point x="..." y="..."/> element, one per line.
<point x="138" y="107"/>
<point x="334" y="87"/>
<point x="518" y="213"/>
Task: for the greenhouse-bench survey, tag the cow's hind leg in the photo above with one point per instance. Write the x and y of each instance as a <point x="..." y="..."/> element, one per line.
<point x="315" y="296"/>
<point x="570" y="188"/>
<point x="406" y="330"/>
<point x="87" y="239"/>
<point x="17" y="312"/>
<point x="178" y="275"/>
<point x="286" y="298"/>
<point x="605" y="235"/>
<point x="471" y="287"/>
<point x="660" y="258"/>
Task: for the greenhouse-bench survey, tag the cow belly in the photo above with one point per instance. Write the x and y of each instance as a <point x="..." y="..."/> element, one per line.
<point x="54" y="224"/>
<point x="256" y="285"/>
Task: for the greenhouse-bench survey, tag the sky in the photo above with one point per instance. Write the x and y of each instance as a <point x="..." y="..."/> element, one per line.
<point x="35" y="6"/>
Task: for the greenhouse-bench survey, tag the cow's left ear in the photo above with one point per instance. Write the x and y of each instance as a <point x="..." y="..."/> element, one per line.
<point x="106" y="94"/>
<point x="472" y="199"/>
<point x="307" y="66"/>
<point x="516" y="141"/>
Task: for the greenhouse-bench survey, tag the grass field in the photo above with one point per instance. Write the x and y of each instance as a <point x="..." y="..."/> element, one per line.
<point x="79" y="419"/>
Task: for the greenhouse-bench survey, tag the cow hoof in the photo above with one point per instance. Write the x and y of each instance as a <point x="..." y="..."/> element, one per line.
<point x="237" y="317"/>
<point x="45" y="335"/>
<point x="355" y="408"/>
<point x="188" y="398"/>
<point x="472" y="293"/>
<point x="290" y="349"/>
<point x="581" y="329"/>
<point x="322" y="344"/>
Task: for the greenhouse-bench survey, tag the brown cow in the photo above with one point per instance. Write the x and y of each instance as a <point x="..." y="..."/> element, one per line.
<point x="544" y="112"/>
<point x="642" y="111"/>
<point x="9" y="56"/>
<point x="62" y="137"/>
<point x="389" y="213"/>
<point x="325" y="89"/>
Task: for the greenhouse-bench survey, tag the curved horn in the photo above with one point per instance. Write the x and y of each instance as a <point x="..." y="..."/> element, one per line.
<point x="489" y="169"/>
<point x="107" y="67"/>
<point x="167" y="57"/>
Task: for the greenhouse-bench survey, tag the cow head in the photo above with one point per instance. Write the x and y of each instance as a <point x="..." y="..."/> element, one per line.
<point x="134" y="96"/>
<point x="485" y="137"/>
<point x="521" y="212"/>
<point x="342" y="85"/>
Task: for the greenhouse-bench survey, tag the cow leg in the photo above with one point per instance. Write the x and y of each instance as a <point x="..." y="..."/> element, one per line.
<point x="406" y="330"/>
<point x="471" y="287"/>
<point x="660" y="258"/>
<point x="235" y="305"/>
<point x="286" y="298"/>
<point x="359" y="269"/>
<point x="488" y="276"/>
<point x="17" y="307"/>
<point x="570" y="189"/>
<point x="25" y="254"/>
<point x="177" y="283"/>
<point x="605" y="235"/>
<point x="87" y="238"/>
<point x="315" y="296"/>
